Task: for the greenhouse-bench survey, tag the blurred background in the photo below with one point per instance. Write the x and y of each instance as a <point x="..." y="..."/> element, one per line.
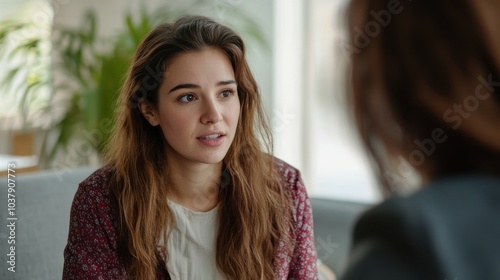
<point x="62" y="63"/>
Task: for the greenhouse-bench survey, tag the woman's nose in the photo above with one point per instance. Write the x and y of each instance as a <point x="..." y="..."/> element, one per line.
<point x="211" y="113"/>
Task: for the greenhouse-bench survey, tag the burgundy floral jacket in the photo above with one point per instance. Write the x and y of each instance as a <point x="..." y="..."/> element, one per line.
<point x="91" y="251"/>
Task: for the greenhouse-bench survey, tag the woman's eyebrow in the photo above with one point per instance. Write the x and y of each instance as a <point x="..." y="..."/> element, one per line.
<point x="181" y="86"/>
<point x="228" y="82"/>
<point x="190" y="86"/>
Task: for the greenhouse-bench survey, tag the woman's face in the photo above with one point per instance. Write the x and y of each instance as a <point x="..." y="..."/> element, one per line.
<point x="198" y="106"/>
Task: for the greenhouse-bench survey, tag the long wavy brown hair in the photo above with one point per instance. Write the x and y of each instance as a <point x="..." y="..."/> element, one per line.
<point x="254" y="210"/>
<point x="425" y="86"/>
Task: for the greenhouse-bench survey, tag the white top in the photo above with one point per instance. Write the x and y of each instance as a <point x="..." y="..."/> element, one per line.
<point x="191" y="245"/>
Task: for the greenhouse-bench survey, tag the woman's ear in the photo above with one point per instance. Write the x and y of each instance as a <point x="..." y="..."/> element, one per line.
<point x="149" y="112"/>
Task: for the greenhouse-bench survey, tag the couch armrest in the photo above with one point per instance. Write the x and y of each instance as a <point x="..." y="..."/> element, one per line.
<point x="333" y="223"/>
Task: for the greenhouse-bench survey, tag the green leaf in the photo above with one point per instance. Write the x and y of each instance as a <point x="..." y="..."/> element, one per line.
<point x="10" y="77"/>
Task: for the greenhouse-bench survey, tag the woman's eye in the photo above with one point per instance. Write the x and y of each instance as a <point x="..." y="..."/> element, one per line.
<point x="186" y="98"/>
<point x="226" y="93"/>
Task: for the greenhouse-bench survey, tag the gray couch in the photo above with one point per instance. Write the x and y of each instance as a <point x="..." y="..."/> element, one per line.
<point x="43" y="202"/>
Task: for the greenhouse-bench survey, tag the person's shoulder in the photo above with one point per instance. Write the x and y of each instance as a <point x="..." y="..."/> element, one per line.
<point x="445" y="196"/>
<point x="388" y="235"/>
<point x="96" y="184"/>
<point x="292" y="181"/>
<point x="435" y="222"/>
<point x="456" y="186"/>
<point x="98" y="178"/>
<point x="439" y="206"/>
<point x="286" y="170"/>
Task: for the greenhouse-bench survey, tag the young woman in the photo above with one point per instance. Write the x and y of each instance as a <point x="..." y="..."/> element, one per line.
<point x="426" y="94"/>
<point x="189" y="190"/>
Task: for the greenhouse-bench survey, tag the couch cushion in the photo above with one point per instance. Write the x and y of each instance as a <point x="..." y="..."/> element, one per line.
<point x="43" y="203"/>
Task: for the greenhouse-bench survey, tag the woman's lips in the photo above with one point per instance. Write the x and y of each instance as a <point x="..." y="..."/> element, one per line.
<point x="212" y="140"/>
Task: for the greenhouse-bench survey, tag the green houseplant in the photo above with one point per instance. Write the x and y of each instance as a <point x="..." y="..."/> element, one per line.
<point x="25" y="74"/>
<point x="25" y="48"/>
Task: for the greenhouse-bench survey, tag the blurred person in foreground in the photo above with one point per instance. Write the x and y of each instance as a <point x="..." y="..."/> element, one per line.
<point x="425" y="92"/>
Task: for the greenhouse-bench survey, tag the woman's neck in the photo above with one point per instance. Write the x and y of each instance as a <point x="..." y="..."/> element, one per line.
<point x="195" y="186"/>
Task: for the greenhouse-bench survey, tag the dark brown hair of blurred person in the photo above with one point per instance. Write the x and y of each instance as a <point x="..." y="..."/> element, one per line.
<point x="252" y="209"/>
<point x="425" y="83"/>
